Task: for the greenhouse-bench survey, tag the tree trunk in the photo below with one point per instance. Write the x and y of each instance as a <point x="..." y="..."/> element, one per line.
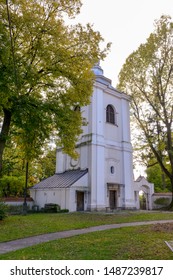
<point x="171" y="203"/>
<point x="25" y="189"/>
<point x="4" y="134"/>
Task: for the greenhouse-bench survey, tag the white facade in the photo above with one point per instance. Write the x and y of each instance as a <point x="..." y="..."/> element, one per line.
<point x="104" y="149"/>
<point x="102" y="177"/>
<point x="66" y="198"/>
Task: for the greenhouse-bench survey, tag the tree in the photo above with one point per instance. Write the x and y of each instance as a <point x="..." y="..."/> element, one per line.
<point x="147" y="76"/>
<point x="13" y="178"/>
<point x="12" y="185"/>
<point x="156" y="176"/>
<point x="45" y="71"/>
<point x="47" y="164"/>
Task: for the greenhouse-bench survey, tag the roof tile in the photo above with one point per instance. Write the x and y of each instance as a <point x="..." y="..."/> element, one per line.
<point x="61" y="180"/>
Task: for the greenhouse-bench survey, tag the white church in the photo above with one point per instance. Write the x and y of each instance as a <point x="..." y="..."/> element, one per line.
<point x="102" y="177"/>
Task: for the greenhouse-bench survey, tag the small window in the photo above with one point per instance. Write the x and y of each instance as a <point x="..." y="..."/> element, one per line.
<point x="112" y="169"/>
<point x="110" y="114"/>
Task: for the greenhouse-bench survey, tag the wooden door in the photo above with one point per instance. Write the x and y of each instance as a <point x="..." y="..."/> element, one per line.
<point x="80" y="201"/>
<point x="113" y="199"/>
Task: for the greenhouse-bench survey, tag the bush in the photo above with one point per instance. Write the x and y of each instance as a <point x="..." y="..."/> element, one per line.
<point x="51" y="208"/>
<point x="162" y="201"/>
<point x="3" y="210"/>
<point x="15" y="209"/>
<point x="64" y="211"/>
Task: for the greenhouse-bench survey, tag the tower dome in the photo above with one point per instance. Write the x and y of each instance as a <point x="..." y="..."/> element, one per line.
<point x="98" y="71"/>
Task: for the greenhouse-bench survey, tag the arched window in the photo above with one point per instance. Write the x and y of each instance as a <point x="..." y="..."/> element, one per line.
<point x="110" y="114"/>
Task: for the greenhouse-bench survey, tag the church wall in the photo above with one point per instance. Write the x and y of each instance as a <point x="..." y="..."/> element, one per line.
<point x="100" y="178"/>
<point x="104" y="149"/>
<point x="113" y="160"/>
<point x="96" y="158"/>
<point x="94" y="115"/>
<point x="103" y="146"/>
<point x="85" y="114"/>
<point x="110" y="148"/>
<point x="50" y="196"/>
<point x="125" y="120"/>
<point x="82" y="182"/>
<point x="92" y="174"/>
<point x="60" y="161"/>
<point x="65" y="198"/>
<point x="128" y="179"/>
<point x="113" y="131"/>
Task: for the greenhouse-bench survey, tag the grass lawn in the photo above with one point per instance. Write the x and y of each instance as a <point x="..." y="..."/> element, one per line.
<point x="132" y="243"/>
<point x="141" y="242"/>
<point x="19" y="226"/>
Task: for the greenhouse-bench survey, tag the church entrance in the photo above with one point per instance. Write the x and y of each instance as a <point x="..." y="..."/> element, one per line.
<point x="80" y="201"/>
<point x="113" y="191"/>
<point x="113" y="199"/>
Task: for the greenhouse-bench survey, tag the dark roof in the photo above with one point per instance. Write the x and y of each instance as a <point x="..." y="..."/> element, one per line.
<point x="15" y="199"/>
<point x="139" y="178"/>
<point x="162" y="194"/>
<point x="61" y="180"/>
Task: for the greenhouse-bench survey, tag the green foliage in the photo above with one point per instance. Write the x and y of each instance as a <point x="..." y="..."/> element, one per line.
<point x="63" y="211"/>
<point x="3" y="210"/>
<point x="147" y="76"/>
<point x="45" y="70"/>
<point x="51" y="208"/>
<point x="44" y="166"/>
<point x="131" y="243"/>
<point x="12" y="185"/>
<point x="162" y="201"/>
<point x="48" y="163"/>
<point x="13" y="177"/>
<point x="156" y="176"/>
<point x="100" y="245"/>
<point x="20" y="226"/>
<point x="15" y="209"/>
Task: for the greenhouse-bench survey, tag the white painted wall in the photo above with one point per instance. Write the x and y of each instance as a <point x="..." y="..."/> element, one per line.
<point x="103" y="145"/>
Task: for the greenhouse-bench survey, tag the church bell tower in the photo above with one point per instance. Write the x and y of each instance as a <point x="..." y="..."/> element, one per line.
<point x="104" y="148"/>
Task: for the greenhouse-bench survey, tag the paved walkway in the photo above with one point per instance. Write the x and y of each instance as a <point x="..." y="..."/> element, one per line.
<point x="33" y="240"/>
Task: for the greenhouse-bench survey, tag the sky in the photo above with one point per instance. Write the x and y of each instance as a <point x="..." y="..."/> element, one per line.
<point x="125" y="23"/>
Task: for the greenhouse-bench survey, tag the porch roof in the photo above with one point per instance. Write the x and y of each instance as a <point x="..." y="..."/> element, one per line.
<point x="61" y="180"/>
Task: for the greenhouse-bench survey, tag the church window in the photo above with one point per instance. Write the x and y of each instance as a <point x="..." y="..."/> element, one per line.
<point x="110" y="114"/>
<point x="112" y="169"/>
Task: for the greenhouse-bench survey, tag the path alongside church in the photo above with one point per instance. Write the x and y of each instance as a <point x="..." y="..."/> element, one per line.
<point x="14" y="245"/>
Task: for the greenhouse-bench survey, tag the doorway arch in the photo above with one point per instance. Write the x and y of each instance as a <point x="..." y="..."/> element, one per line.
<point x="144" y="198"/>
<point x="142" y="186"/>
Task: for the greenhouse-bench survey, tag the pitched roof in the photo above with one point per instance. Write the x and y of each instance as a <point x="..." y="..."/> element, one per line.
<point x="61" y="180"/>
